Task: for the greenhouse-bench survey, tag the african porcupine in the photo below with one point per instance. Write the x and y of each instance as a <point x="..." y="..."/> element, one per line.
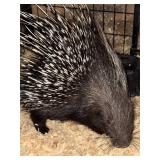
<point x="74" y="75"/>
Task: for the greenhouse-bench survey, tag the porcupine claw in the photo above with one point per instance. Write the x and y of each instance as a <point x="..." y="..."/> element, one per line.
<point x="42" y="129"/>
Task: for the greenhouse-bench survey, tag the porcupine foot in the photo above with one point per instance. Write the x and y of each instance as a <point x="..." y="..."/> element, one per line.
<point x="39" y="121"/>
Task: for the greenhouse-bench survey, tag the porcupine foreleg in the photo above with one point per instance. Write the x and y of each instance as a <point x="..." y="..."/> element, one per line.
<point x="39" y="121"/>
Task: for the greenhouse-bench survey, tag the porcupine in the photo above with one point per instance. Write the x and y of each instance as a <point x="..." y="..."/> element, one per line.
<point x="74" y="75"/>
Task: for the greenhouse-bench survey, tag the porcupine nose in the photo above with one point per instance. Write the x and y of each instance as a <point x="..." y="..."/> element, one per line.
<point x="121" y="143"/>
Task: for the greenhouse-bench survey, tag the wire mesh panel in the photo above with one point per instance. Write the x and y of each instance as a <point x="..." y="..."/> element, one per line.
<point x="116" y="20"/>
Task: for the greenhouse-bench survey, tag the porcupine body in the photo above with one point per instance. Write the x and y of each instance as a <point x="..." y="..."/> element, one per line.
<point x="74" y="75"/>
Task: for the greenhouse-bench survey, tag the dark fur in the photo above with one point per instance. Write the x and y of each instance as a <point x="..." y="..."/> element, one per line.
<point x="99" y="99"/>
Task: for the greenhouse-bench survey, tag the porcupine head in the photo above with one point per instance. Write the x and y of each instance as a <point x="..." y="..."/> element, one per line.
<point x="76" y="75"/>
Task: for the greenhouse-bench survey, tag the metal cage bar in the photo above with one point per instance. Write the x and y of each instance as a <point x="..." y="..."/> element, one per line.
<point x="136" y="29"/>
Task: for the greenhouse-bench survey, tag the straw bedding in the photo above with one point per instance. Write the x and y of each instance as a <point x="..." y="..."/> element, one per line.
<point x="71" y="138"/>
